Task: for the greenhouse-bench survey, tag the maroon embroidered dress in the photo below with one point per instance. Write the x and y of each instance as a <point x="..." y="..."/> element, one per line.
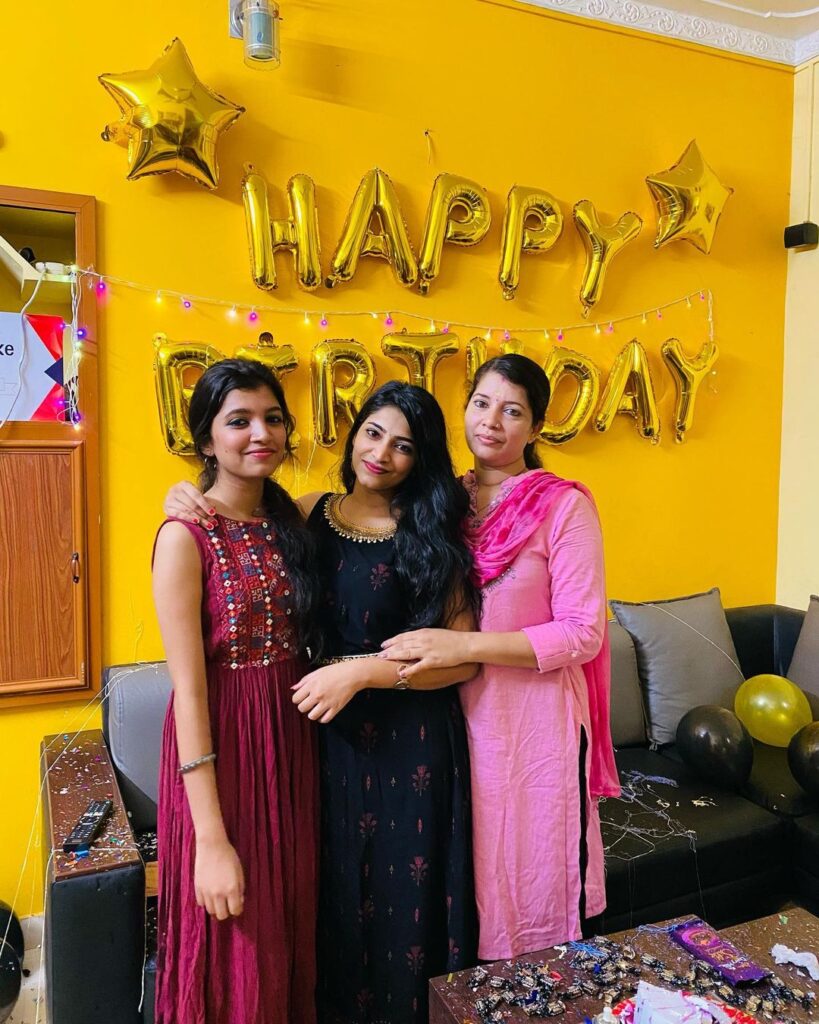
<point x="258" y="967"/>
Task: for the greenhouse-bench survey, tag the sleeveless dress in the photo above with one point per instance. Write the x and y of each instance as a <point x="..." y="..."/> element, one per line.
<point x="260" y="966"/>
<point x="396" y="903"/>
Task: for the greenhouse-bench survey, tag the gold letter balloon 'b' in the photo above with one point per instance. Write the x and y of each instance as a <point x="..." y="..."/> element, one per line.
<point x="177" y="367"/>
<point x="330" y="396"/>
<point x="375" y="199"/>
<point x="602" y="242"/>
<point x="458" y="212"/>
<point x="533" y="222"/>
<point x="630" y="390"/>
<point x="299" y="232"/>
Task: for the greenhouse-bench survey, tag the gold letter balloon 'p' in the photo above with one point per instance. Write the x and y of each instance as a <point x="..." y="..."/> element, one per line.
<point x="420" y="353"/>
<point x="630" y="390"/>
<point x="602" y="242"/>
<point x="328" y="395"/>
<point x="177" y="367"/>
<point x="299" y="233"/>
<point x="458" y="212"/>
<point x="533" y="222"/>
<point x="374" y="200"/>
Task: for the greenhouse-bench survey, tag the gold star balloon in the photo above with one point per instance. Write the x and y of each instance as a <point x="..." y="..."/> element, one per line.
<point x="170" y="121"/>
<point x="689" y="199"/>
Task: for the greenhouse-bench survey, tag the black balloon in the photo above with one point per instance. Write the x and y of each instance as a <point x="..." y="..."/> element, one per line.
<point x="803" y="758"/>
<point x="715" y="745"/>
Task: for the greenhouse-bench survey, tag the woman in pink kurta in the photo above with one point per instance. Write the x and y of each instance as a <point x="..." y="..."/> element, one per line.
<point x="537" y="713"/>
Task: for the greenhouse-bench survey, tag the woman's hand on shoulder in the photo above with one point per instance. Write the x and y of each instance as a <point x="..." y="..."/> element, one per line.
<point x="184" y="501"/>
<point x="307" y="502"/>
<point x="322" y="693"/>
<point x="427" y="649"/>
<point x="218" y="878"/>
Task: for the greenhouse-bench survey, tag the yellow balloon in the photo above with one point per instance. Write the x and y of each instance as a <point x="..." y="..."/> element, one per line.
<point x="420" y="353"/>
<point x="772" y="709"/>
<point x="375" y="198"/>
<point x="299" y="233"/>
<point x="170" y="121"/>
<point x="689" y="199"/>
<point x="177" y="367"/>
<point x="562" y="362"/>
<point x="329" y="396"/>
<point x="533" y="222"/>
<point x="602" y="242"/>
<point x="458" y="212"/>
<point x="688" y="374"/>
<point x="630" y="390"/>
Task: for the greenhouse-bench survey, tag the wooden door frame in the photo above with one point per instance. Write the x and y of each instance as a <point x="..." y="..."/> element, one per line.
<point x="87" y="431"/>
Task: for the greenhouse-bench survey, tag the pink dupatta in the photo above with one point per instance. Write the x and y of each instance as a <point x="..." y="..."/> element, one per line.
<point x="495" y="542"/>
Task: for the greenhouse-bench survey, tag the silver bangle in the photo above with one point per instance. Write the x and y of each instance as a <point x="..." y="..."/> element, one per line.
<point x="183" y="769"/>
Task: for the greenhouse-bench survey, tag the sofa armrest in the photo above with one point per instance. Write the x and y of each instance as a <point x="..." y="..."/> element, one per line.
<point x="94" y="905"/>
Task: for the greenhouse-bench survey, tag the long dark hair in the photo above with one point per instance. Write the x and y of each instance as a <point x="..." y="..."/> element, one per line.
<point x="295" y="541"/>
<point x="532" y="378"/>
<point x="432" y="560"/>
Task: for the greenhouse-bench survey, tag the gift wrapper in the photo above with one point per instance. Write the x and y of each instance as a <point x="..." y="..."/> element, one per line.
<point x="701" y="941"/>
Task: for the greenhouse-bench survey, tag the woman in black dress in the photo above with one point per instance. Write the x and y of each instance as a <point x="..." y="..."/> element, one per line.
<point x="396" y="903"/>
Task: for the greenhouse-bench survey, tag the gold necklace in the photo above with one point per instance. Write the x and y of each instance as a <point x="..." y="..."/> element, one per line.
<point x="352" y="531"/>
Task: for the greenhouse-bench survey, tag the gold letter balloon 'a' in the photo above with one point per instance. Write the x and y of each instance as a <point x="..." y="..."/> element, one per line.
<point x="170" y="121"/>
<point x="299" y="233"/>
<point x="630" y="390"/>
<point x="375" y="200"/>
<point x="329" y="395"/>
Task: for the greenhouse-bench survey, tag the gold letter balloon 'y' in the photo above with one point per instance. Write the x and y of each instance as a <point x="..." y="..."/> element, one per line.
<point x="602" y="242"/>
<point x="170" y="121"/>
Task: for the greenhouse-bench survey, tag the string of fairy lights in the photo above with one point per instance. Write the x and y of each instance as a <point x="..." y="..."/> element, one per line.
<point x="255" y="314"/>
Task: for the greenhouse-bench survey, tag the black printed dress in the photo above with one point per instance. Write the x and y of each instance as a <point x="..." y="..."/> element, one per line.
<point x="396" y="902"/>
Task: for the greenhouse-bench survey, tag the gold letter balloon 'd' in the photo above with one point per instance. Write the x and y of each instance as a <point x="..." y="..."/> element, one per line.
<point x="376" y="201"/>
<point x="298" y="233"/>
<point x="177" y="367"/>
<point x="170" y="121"/>
<point x="563" y="363"/>
<point x="458" y="212"/>
<point x="533" y="222"/>
<point x="329" y="395"/>
<point x="689" y="199"/>
<point x="602" y="242"/>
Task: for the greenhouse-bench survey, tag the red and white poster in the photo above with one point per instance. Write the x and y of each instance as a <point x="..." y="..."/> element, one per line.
<point x="31" y="367"/>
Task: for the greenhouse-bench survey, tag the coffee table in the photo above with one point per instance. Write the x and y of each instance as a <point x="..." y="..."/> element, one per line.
<point x="452" y="1002"/>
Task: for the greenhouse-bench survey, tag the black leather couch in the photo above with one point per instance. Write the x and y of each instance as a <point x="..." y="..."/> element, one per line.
<point x="674" y="844"/>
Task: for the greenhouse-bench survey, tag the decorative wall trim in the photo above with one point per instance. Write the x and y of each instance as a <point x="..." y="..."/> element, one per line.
<point x="689" y="28"/>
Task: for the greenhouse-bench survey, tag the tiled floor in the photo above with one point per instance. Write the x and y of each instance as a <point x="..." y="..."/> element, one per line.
<point x="31" y="1006"/>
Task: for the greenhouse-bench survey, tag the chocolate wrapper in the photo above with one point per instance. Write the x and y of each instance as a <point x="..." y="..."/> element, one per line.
<point x="701" y="941"/>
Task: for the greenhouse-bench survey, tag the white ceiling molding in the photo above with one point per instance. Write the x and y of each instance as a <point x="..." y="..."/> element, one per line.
<point x="691" y="28"/>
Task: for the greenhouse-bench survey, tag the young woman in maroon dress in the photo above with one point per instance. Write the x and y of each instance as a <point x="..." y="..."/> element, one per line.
<point x="237" y="791"/>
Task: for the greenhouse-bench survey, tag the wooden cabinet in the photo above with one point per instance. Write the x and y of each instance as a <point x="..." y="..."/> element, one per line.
<point x="50" y="622"/>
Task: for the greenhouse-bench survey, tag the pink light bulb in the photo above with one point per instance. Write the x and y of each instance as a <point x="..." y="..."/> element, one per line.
<point x="506" y="335"/>
<point x="187" y="303"/>
<point x="82" y="333"/>
<point x="659" y="314"/>
<point x="445" y="329"/>
<point x="560" y="335"/>
<point x="101" y="287"/>
<point x="610" y="329"/>
<point x="389" y="321"/>
<point x="323" y="321"/>
<point x="253" y="316"/>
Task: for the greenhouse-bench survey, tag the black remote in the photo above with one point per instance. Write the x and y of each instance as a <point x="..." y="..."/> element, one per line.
<point x="88" y="827"/>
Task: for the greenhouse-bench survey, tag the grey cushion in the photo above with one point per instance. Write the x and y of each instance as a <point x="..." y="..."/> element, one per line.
<point x="135" y="712"/>
<point x="685" y="656"/>
<point x="804" y="668"/>
<point x="627" y="716"/>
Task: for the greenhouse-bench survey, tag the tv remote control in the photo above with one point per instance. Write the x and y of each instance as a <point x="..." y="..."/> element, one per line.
<point x="88" y="827"/>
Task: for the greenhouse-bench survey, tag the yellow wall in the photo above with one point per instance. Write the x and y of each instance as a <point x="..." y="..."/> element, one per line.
<point x="798" y="563"/>
<point x="509" y="95"/>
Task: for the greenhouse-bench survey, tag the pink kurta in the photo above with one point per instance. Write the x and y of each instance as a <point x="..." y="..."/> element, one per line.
<point x="524" y="730"/>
